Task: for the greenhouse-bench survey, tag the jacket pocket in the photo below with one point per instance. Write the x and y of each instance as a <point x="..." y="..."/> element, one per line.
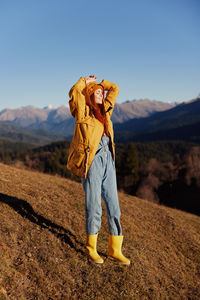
<point x="79" y="155"/>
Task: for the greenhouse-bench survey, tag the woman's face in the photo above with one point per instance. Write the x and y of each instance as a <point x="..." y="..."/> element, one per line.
<point x="98" y="96"/>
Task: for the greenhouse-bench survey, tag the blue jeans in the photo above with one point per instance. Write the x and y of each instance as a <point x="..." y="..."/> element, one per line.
<point x="101" y="181"/>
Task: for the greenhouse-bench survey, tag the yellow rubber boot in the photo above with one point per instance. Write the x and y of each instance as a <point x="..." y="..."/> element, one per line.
<point x="114" y="249"/>
<point x="91" y="248"/>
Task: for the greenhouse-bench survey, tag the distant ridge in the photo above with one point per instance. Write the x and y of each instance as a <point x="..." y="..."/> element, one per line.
<point x="60" y="120"/>
<point x="179" y="120"/>
<point x="11" y="133"/>
<point x="138" y="109"/>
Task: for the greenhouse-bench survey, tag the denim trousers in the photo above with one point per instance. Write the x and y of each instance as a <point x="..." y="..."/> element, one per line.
<point x="101" y="182"/>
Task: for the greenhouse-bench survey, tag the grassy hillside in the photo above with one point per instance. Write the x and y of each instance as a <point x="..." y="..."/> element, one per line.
<point x="42" y="244"/>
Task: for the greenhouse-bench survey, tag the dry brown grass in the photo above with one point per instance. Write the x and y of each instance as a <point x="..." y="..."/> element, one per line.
<point x="42" y="245"/>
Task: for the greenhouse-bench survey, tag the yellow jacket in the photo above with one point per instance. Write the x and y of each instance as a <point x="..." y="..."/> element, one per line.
<point x="88" y="130"/>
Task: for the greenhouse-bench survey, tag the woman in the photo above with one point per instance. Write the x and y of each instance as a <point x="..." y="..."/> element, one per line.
<point x="92" y="157"/>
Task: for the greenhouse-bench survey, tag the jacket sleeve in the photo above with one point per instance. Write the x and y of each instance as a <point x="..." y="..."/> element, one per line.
<point x="77" y="99"/>
<point x="111" y="96"/>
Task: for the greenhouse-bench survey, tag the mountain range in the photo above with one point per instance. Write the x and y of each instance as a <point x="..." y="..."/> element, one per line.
<point x="136" y="120"/>
<point x="179" y="122"/>
<point x="60" y="120"/>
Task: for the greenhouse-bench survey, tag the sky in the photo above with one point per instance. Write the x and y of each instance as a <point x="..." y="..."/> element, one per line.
<point x="150" y="48"/>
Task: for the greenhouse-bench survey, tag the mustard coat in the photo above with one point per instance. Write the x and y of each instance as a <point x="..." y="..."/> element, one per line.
<point x="88" y="130"/>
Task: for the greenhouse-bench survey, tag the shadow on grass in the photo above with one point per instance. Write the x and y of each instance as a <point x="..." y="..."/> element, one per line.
<point x="23" y="208"/>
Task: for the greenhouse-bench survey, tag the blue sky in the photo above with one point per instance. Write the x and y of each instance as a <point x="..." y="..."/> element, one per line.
<point x="150" y="48"/>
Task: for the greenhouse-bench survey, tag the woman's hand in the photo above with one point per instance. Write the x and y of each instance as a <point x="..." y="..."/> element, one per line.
<point x="91" y="78"/>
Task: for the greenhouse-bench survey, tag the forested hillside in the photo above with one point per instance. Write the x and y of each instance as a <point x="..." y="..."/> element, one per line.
<point x="161" y="172"/>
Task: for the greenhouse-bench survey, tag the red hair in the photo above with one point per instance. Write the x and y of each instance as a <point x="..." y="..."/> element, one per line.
<point x="98" y="110"/>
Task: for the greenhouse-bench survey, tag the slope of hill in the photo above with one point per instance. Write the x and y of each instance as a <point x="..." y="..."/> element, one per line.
<point x="10" y="132"/>
<point x="185" y="114"/>
<point x="189" y="133"/>
<point x="42" y="244"/>
<point x="7" y="145"/>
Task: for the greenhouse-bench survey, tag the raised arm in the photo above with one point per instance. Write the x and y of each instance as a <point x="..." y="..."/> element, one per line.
<point x="77" y="99"/>
<point x="111" y="96"/>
